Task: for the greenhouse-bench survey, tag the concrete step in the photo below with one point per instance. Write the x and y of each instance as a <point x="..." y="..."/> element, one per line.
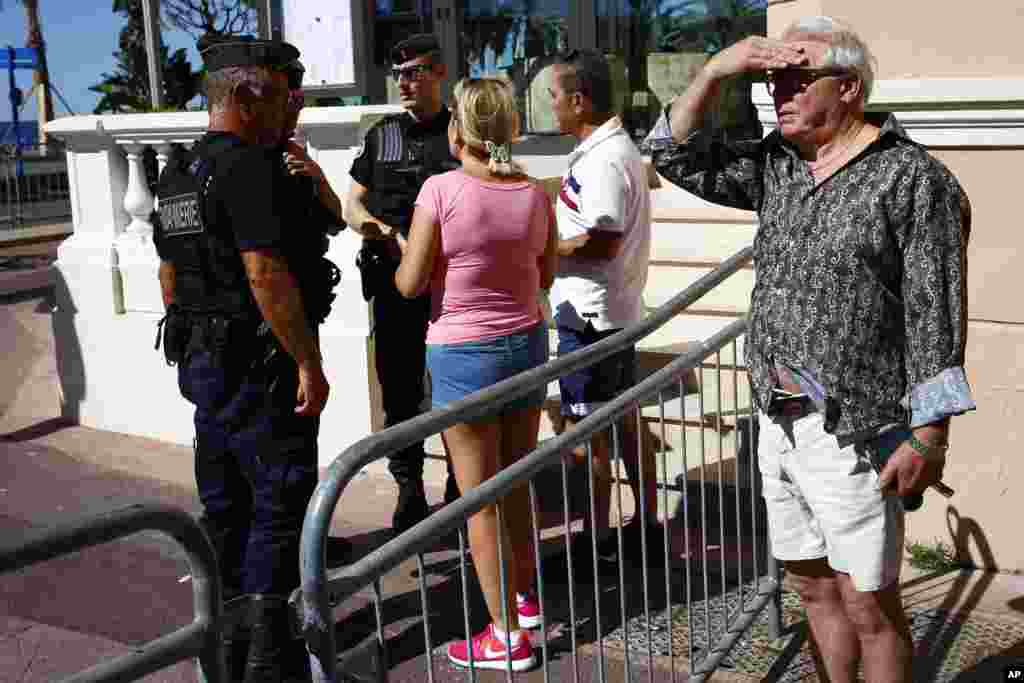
<point x="688" y="327"/>
<point x="666" y="280"/>
<point x="699" y="242"/>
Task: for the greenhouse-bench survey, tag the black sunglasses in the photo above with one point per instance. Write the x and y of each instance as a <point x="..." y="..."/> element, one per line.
<point x="797" y="79"/>
<point x="410" y="73"/>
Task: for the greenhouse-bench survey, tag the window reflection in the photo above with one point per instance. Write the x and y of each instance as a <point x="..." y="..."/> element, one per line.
<point x="386" y="7"/>
<point x="395" y="21"/>
<point x="656" y="47"/>
<point x="659" y="46"/>
<point x="515" y="40"/>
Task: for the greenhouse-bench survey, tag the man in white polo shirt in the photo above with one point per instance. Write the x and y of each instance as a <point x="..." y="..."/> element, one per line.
<point x="604" y="226"/>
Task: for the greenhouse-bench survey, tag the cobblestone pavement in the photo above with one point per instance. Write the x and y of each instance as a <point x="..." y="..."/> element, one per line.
<point x="951" y="644"/>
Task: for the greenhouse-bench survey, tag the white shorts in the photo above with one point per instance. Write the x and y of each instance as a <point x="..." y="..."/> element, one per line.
<point x="823" y="499"/>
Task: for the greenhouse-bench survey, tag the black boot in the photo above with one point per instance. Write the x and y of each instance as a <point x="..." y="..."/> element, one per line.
<point x="270" y="638"/>
<point x="236" y="636"/>
<point x="412" y="506"/>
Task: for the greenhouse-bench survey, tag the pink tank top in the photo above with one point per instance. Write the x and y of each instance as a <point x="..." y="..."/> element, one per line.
<point x="486" y="277"/>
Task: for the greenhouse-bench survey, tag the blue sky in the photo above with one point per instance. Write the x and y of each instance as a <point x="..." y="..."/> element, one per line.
<point x="81" y="36"/>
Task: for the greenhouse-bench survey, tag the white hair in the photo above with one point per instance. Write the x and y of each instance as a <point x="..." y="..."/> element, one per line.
<point x="846" y="49"/>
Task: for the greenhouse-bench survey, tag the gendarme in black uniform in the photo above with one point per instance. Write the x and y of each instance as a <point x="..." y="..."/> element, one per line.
<point x="255" y="458"/>
<point x="399" y="153"/>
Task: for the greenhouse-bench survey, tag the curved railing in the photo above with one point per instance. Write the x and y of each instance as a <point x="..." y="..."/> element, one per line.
<point x="200" y="639"/>
<point x="312" y="600"/>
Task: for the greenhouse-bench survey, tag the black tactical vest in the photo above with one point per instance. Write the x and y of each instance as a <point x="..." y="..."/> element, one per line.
<point x="316" y="275"/>
<point x="405" y="153"/>
<point x="209" y="275"/>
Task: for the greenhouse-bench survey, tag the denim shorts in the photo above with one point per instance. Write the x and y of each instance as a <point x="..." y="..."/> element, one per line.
<point x="587" y="389"/>
<point x="459" y="369"/>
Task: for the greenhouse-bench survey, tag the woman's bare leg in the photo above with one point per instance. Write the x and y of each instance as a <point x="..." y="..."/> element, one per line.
<point x="475" y="450"/>
<point x="518" y="438"/>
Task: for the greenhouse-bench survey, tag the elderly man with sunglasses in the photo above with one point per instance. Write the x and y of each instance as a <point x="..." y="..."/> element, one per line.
<point x="399" y="153"/>
<point x="857" y="323"/>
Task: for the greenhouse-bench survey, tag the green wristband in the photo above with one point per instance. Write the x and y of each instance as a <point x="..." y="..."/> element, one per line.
<point x="930" y="452"/>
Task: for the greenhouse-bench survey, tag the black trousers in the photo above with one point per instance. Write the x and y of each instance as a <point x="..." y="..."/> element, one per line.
<point x="400" y="349"/>
<point x="256" y="466"/>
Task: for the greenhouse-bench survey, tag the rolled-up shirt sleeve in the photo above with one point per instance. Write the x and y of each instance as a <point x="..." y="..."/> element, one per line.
<point x="730" y="174"/>
<point x="942" y="396"/>
<point x="935" y="296"/>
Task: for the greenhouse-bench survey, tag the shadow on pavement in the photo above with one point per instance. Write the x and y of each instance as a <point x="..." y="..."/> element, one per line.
<point x="38" y="430"/>
<point x="402" y="608"/>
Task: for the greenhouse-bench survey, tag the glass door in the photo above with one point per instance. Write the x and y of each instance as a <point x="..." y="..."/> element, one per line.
<point x="657" y="47"/>
<point x="393" y="22"/>
<point x="515" y="40"/>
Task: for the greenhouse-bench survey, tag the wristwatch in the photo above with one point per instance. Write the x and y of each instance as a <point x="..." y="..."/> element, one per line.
<point x="929" y="451"/>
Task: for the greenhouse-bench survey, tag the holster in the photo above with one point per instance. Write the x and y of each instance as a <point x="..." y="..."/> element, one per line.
<point x="320" y="279"/>
<point x="175" y="330"/>
<point x="376" y="268"/>
<point x="185" y="333"/>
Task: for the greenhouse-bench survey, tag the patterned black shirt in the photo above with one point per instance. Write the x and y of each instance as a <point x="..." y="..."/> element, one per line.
<point x="861" y="279"/>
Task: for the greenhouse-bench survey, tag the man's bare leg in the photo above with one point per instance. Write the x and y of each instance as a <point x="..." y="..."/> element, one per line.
<point x="602" y="478"/>
<point x="849" y="626"/>
<point x="832" y="630"/>
<point x="634" y="443"/>
<point x="881" y="625"/>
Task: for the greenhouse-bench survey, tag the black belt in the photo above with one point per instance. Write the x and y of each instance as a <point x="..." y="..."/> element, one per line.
<point x="791" y="406"/>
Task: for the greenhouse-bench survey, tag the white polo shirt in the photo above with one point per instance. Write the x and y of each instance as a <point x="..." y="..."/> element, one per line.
<point x="604" y="188"/>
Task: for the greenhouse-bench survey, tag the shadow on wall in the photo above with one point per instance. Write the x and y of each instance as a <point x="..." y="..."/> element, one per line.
<point x="962" y="596"/>
<point x="68" y="350"/>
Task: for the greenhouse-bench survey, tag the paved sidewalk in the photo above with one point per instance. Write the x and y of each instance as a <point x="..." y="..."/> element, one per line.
<point x="67" y="614"/>
<point x="26" y="266"/>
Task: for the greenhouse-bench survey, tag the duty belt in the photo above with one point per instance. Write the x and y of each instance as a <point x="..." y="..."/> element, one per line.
<point x="793" y="407"/>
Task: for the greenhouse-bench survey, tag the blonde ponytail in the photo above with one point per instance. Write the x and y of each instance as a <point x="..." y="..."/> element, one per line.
<point x="488" y="122"/>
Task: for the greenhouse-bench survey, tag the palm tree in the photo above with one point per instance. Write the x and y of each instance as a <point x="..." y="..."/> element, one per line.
<point x="127" y="89"/>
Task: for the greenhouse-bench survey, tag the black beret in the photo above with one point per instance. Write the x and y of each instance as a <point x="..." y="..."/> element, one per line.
<point x="414" y="46"/>
<point x="222" y="52"/>
<point x="295" y="72"/>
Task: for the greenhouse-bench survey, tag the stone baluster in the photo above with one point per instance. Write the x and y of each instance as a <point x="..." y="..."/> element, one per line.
<point x="163" y="151"/>
<point x="138" y="200"/>
<point x="137" y="259"/>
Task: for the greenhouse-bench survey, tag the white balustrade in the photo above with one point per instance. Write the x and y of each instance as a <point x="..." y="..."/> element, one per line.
<point x="136" y="254"/>
<point x="138" y="200"/>
<point x="163" y="151"/>
<point x="109" y="273"/>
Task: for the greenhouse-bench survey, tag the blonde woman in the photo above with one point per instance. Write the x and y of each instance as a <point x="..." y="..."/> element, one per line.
<point x="483" y="242"/>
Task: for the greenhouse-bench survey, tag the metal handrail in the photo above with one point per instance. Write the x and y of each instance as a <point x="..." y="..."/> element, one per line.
<point x="312" y="599"/>
<point x="200" y="639"/>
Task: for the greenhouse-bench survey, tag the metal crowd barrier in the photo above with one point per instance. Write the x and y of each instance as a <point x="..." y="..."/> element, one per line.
<point x="40" y="195"/>
<point x="200" y="639"/>
<point x="748" y="591"/>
